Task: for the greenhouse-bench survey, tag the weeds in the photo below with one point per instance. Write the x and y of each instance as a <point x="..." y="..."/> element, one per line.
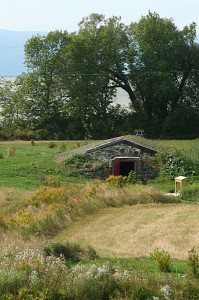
<point x="52" y="145"/>
<point x="162" y="260"/>
<point x="11" y="151"/>
<point x="117" y="181"/>
<point x="193" y="263"/>
<point x="70" y="251"/>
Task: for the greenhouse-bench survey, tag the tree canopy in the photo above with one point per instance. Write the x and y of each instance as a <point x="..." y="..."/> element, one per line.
<point x="72" y="79"/>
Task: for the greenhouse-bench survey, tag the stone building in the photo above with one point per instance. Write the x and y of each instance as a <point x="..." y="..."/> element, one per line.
<point x="124" y="155"/>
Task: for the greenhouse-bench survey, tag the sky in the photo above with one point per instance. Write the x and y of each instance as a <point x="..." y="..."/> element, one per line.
<point x="50" y="15"/>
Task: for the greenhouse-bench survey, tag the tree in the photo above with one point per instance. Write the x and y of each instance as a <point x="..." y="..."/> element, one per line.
<point x="151" y="60"/>
<point x="12" y="106"/>
<point x="89" y="95"/>
<point x="166" y="58"/>
<point x="76" y="76"/>
<point x="42" y="88"/>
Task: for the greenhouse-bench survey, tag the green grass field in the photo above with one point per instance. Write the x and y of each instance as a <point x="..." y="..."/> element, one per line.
<point x="31" y="164"/>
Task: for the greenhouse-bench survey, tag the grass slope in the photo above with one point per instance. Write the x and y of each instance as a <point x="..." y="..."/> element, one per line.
<point x="30" y="164"/>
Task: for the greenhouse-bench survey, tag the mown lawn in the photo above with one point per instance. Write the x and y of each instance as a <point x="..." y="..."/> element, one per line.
<point x="31" y="164"/>
<point x="135" y="231"/>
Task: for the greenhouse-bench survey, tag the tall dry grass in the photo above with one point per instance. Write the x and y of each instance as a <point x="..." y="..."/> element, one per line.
<point x="50" y="209"/>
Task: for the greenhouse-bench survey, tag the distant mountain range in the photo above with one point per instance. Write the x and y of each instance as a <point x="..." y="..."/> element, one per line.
<point x="12" y="51"/>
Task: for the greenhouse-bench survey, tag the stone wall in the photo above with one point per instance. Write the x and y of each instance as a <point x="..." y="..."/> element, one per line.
<point x="117" y="150"/>
<point x="121" y="149"/>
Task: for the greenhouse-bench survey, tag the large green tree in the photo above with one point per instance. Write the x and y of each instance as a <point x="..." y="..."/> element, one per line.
<point x="77" y="75"/>
<point x="87" y="80"/>
<point x="166" y="58"/>
<point x="43" y="91"/>
<point x="152" y="60"/>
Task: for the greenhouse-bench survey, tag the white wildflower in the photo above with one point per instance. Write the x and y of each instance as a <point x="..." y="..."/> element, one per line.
<point x="34" y="279"/>
<point x="166" y="291"/>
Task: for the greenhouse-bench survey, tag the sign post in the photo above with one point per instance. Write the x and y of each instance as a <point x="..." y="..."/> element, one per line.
<point x="180" y="180"/>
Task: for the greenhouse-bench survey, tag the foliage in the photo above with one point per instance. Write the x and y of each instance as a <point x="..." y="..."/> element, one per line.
<point x="162" y="260"/>
<point x="52" y="181"/>
<point x="190" y="192"/>
<point x="28" y="274"/>
<point x="70" y="251"/>
<point x="121" y="181"/>
<point x="131" y="177"/>
<point x="72" y="80"/>
<point x="52" y="145"/>
<point x="46" y="219"/>
<point x="176" y="164"/>
<point x="85" y="162"/>
<point x="49" y="195"/>
<point x="193" y="263"/>
<point x="78" y="160"/>
<point x="117" y="181"/>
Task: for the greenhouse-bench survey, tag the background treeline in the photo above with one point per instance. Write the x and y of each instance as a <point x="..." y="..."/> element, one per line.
<point x="72" y="80"/>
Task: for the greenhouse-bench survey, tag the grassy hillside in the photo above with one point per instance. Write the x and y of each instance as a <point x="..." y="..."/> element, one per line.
<point x="31" y="164"/>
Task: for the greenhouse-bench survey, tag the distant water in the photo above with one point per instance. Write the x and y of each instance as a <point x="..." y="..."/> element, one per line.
<point x="121" y="97"/>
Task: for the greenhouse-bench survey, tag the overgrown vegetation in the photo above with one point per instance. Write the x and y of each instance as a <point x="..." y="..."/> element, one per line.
<point x="32" y="266"/>
<point x="70" y="252"/>
<point x="29" y="274"/>
<point x="162" y="260"/>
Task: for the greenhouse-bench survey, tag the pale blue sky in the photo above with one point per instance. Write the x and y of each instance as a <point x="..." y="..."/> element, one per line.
<point x="47" y="15"/>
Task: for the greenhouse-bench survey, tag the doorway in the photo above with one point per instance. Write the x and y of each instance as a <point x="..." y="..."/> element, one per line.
<point x="123" y="166"/>
<point x="126" y="167"/>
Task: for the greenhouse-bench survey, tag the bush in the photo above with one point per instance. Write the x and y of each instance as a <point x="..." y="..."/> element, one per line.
<point x="78" y="160"/>
<point x="162" y="260"/>
<point x="117" y="181"/>
<point x="191" y="192"/>
<point x="131" y="177"/>
<point x="70" y="251"/>
<point x="52" y="181"/>
<point x="47" y="195"/>
<point x="193" y="263"/>
<point x="175" y="164"/>
<point x="52" y="145"/>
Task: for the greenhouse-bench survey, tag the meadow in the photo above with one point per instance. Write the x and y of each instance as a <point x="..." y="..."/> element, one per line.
<point x="66" y="237"/>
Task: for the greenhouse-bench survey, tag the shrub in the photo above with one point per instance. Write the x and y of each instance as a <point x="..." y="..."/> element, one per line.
<point x="78" y="160"/>
<point x="175" y="164"/>
<point x="193" y="263"/>
<point x="63" y="147"/>
<point x="121" y="181"/>
<point x="131" y="177"/>
<point x="70" y="251"/>
<point x="49" y="195"/>
<point x="11" y="151"/>
<point x="52" y="181"/>
<point x="117" y="181"/>
<point x="52" y="145"/>
<point x="190" y="192"/>
<point x="162" y="260"/>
